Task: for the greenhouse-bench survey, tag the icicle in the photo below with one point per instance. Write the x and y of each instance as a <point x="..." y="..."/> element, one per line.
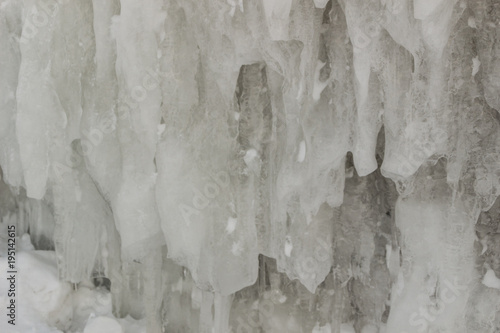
<point x="85" y="213"/>
<point x="222" y="308"/>
<point x="10" y="28"/>
<point x="277" y="16"/>
<point x="134" y="205"/>
<point x="206" y="316"/>
<point x="152" y="277"/>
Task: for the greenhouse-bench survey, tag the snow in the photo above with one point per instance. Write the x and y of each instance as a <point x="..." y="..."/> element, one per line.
<point x="48" y="305"/>
<point x="102" y="325"/>
<point x="231" y="225"/>
<point x="490" y="280"/>
<point x="250" y="155"/>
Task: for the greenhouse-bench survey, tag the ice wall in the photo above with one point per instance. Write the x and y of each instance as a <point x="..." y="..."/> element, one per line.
<point x="270" y="165"/>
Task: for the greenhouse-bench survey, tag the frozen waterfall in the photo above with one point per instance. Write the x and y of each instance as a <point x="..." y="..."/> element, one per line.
<point x="319" y="166"/>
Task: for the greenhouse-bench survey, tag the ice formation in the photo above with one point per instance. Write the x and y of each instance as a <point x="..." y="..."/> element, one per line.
<point x="256" y="165"/>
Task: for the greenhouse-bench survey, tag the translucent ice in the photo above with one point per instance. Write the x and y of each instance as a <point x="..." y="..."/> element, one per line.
<point x="237" y="165"/>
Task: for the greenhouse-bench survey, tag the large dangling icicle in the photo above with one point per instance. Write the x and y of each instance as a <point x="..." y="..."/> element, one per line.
<point x="10" y="29"/>
<point x="134" y="205"/>
<point x="364" y="32"/>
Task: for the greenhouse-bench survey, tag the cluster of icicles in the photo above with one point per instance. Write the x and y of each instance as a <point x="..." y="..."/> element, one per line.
<point x="294" y="164"/>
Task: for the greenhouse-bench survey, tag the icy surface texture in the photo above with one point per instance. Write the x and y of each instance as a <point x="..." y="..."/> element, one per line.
<point x="258" y="165"/>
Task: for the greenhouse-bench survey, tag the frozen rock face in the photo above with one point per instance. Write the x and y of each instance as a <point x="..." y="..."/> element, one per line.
<point x="249" y="166"/>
